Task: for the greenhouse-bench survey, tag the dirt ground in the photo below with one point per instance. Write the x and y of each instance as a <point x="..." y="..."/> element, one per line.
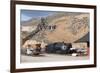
<point x="50" y="58"/>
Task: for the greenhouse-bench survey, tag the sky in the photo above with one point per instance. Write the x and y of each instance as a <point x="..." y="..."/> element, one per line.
<point x="29" y="14"/>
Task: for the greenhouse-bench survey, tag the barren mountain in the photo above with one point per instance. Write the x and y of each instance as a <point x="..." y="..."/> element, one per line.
<point x="69" y="28"/>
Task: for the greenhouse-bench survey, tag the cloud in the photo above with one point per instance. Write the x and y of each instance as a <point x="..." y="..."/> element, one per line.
<point x="28" y="14"/>
<point x="25" y="17"/>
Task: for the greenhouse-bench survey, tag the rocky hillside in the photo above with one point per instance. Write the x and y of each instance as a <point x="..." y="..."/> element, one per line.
<point x="69" y="27"/>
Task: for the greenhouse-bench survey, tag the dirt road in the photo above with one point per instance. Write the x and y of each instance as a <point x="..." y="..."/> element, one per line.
<point x="50" y="58"/>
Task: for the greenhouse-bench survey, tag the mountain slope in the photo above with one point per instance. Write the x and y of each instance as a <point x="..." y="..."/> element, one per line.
<point x="69" y="28"/>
